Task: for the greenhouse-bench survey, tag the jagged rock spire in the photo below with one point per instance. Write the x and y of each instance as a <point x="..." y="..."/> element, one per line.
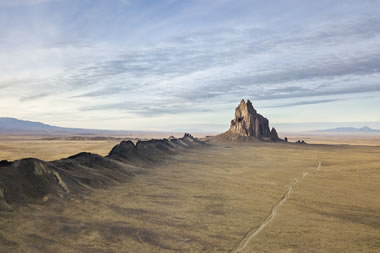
<point x="248" y="122"/>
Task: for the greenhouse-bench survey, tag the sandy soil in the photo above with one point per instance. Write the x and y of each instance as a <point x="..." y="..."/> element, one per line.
<point x="209" y="199"/>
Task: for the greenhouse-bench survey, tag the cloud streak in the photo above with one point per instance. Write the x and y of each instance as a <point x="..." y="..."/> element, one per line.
<point x="33" y="97"/>
<point x="176" y="58"/>
<point x="312" y="102"/>
<point x="216" y="69"/>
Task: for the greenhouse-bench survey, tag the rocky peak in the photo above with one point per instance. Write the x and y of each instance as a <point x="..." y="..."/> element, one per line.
<point x="273" y="134"/>
<point x="247" y="122"/>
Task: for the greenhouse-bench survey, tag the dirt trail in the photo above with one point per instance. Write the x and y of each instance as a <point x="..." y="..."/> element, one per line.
<point x="255" y="231"/>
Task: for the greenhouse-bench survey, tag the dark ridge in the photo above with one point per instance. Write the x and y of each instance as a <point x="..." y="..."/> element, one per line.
<point x="163" y="145"/>
<point x="179" y="143"/>
<point x="5" y="163"/>
<point x="32" y="180"/>
<point x="82" y="155"/>
<point x="152" y="150"/>
<point x="122" y="150"/>
<point x="29" y="179"/>
<point x="147" y="144"/>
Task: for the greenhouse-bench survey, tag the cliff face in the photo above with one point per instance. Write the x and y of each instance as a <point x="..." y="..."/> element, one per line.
<point x="248" y="122"/>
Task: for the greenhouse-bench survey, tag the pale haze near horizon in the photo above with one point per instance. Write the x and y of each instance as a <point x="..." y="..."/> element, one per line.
<point x="185" y="65"/>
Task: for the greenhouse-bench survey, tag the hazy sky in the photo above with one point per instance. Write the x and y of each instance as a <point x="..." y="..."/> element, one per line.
<point x="186" y="64"/>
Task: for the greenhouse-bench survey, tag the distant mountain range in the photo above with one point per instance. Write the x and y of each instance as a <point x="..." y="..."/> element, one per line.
<point x="16" y="126"/>
<point x="350" y="130"/>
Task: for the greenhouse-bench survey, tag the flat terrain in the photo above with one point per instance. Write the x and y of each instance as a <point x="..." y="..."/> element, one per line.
<point x="13" y="149"/>
<point x="368" y="139"/>
<point x="303" y="198"/>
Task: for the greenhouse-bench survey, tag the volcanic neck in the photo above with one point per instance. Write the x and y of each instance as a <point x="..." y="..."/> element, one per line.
<point x="248" y="122"/>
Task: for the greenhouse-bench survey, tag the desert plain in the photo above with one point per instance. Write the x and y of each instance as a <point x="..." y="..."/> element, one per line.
<point x="219" y="197"/>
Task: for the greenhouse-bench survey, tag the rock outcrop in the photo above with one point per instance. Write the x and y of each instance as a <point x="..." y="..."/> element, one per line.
<point x="35" y="181"/>
<point x="248" y="122"/>
<point x="247" y="126"/>
<point x="274" y="135"/>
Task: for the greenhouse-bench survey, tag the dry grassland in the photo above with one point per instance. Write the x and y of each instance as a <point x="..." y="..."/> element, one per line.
<point x="339" y="138"/>
<point x="208" y="199"/>
<point x="51" y="149"/>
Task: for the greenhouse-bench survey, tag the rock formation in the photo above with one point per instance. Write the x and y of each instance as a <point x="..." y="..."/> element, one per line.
<point x="35" y="181"/>
<point x="248" y="122"/>
<point x="274" y="135"/>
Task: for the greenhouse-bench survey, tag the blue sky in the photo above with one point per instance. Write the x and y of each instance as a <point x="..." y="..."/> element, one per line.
<point x="185" y="64"/>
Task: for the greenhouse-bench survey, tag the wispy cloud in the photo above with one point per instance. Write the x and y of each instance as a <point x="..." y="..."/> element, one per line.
<point x="187" y="57"/>
<point x="148" y="109"/>
<point x="33" y="97"/>
<point x="194" y="68"/>
<point x="312" y="102"/>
